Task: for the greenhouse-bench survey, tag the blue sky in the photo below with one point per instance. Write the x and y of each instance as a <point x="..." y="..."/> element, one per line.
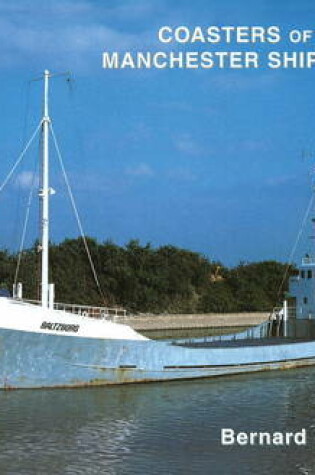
<point x="207" y="160"/>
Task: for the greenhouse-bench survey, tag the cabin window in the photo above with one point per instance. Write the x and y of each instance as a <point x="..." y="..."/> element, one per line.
<point x="305" y="300"/>
<point x="309" y="274"/>
<point x="302" y="274"/>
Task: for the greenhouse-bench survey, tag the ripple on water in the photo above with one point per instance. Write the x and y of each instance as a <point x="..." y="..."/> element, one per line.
<point x="159" y="428"/>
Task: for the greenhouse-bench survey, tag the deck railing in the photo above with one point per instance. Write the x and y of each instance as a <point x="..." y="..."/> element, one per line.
<point x="278" y="311"/>
<point x="108" y="313"/>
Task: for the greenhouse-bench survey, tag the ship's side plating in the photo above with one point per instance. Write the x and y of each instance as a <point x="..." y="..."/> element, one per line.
<point x="60" y="357"/>
<point x="32" y="360"/>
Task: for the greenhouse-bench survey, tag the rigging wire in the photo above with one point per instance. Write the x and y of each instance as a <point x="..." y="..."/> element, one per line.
<point x="27" y="110"/>
<point x="75" y="210"/>
<point x="21" y="156"/>
<point x="25" y="98"/>
<point x="27" y="214"/>
<point x="26" y="219"/>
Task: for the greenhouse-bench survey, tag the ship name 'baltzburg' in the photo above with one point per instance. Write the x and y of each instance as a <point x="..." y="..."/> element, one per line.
<point x="63" y="327"/>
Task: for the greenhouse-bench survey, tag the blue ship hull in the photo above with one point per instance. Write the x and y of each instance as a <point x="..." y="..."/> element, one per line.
<point x="38" y="360"/>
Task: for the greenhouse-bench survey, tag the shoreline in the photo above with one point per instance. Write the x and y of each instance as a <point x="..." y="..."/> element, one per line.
<point x="191" y="321"/>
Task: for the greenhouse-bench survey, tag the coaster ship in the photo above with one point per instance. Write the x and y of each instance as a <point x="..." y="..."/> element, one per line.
<point x="50" y="345"/>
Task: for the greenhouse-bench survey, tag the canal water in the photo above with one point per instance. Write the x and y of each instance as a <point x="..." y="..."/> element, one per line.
<point x="159" y="428"/>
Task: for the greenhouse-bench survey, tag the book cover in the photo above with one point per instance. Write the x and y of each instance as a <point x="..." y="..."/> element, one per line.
<point x="171" y="146"/>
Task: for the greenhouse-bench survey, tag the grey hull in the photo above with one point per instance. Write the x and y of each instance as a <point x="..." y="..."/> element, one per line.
<point x="34" y="360"/>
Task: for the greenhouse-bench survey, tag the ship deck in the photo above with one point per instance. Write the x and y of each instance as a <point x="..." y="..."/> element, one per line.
<point x="241" y="342"/>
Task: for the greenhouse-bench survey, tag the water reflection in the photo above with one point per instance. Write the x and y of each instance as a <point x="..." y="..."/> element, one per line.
<point x="159" y="428"/>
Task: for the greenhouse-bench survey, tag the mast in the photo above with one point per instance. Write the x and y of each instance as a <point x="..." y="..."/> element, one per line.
<point x="44" y="196"/>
